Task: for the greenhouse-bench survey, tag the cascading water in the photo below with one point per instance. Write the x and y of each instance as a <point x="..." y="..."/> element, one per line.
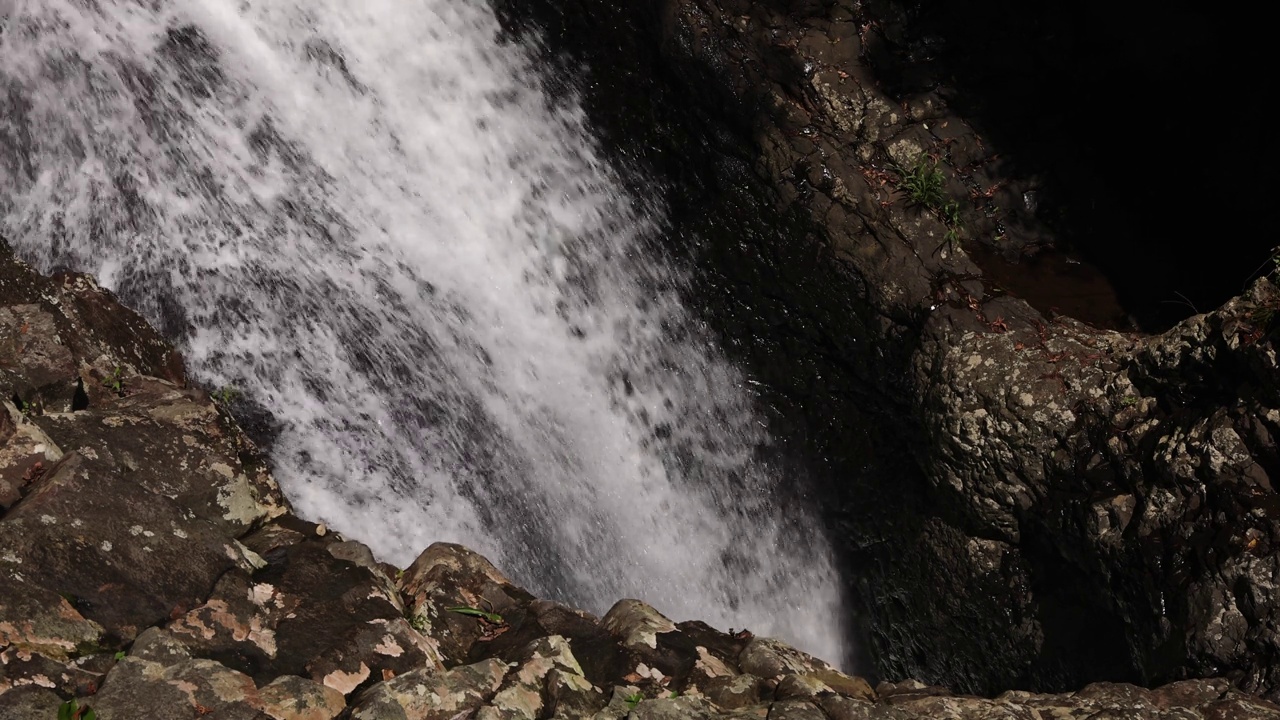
<point x="369" y="218"/>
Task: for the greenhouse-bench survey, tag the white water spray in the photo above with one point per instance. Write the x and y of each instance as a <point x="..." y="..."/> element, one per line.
<point x="370" y="219"/>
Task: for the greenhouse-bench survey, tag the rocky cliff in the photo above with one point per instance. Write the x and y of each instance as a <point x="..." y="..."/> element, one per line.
<point x="151" y="568"/>
<point x="1024" y="497"/>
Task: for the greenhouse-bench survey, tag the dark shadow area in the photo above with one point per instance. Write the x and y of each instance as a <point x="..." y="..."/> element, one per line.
<point x="1142" y="121"/>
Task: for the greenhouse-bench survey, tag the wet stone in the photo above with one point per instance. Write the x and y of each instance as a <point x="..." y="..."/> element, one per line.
<point x="596" y="651"/>
<point x="450" y="576"/>
<point x="310" y="614"/>
<point x="35" y="619"/>
<point x="81" y="676"/>
<point x="677" y="708"/>
<point x="159" y="646"/>
<point x="26" y="703"/>
<point x="431" y="695"/>
<point x="795" y="710"/>
<point x="293" y="698"/>
<point x="126" y="557"/>
<point x="731" y="693"/>
<point x="190" y="689"/>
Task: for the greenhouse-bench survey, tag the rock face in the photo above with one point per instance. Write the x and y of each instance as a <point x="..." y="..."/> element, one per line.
<point x="150" y="567"/>
<point x="1055" y="503"/>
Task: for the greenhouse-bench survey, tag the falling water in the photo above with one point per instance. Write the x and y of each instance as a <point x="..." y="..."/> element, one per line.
<point x="369" y="218"/>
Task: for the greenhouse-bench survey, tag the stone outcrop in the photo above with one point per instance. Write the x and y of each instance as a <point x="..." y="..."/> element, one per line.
<point x="150" y="567"/>
<point x="1033" y="501"/>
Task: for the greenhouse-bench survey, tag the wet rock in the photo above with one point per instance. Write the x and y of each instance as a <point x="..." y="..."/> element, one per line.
<point x="293" y="698"/>
<point x="25" y="455"/>
<point x="732" y="692"/>
<point x="795" y="710"/>
<point x="75" y="319"/>
<point x="838" y="707"/>
<point x="29" y="702"/>
<point x="658" y="655"/>
<point x="677" y="708"/>
<point x="237" y="609"/>
<point x="127" y="557"/>
<point x="450" y="576"/>
<point x="524" y="694"/>
<point x="637" y="625"/>
<point x="34" y="363"/>
<point x="34" y="619"/>
<point x="431" y="695"/>
<point x="799" y="686"/>
<point x="81" y="676"/>
<point x="222" y="481"/>
<point x="307" y="613"/>
<point x="189" y="689"/>
<point x="595" y="649"/>
<point x="159" y="646"/>
<point x="907" y="690"/>
<point x="717" y="651"/>
<point x="768" y="658"/>
<point x="622" y="700"/>
<point x="1030" y="435"/>
<point x="1067" y="476"/>
<point x="570" y="696"/>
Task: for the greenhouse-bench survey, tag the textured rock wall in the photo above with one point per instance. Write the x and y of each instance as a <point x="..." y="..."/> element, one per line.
<point x="1037" y="502"/>
<point x="151" y="568"/>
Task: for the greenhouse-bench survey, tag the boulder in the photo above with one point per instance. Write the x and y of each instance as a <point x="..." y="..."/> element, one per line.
<point x="429" y="694"/>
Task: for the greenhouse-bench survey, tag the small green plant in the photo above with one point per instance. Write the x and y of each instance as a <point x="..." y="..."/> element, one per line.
<point x="951" y="237"/>
<point x="72" y="710"/>
<point x="119" y="655"/>
<point x="923" y="183"/>
<point x="633" y="700"/>
<point x="1128" y="401"/>
<point x="950" y="212"/>
<point x="115" y="381"/>
<point x="225" y="395"/>
<point x="419" y="622"/>
<point x="492" y="617"/>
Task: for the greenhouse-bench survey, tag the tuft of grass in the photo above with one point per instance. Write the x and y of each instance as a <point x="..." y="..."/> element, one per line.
<point x="923" y="183"/>
<point x="950" y="212"/>
<point x="115" y="381"/>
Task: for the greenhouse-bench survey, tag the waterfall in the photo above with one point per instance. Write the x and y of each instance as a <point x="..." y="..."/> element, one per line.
<point x="371" y="219"/>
